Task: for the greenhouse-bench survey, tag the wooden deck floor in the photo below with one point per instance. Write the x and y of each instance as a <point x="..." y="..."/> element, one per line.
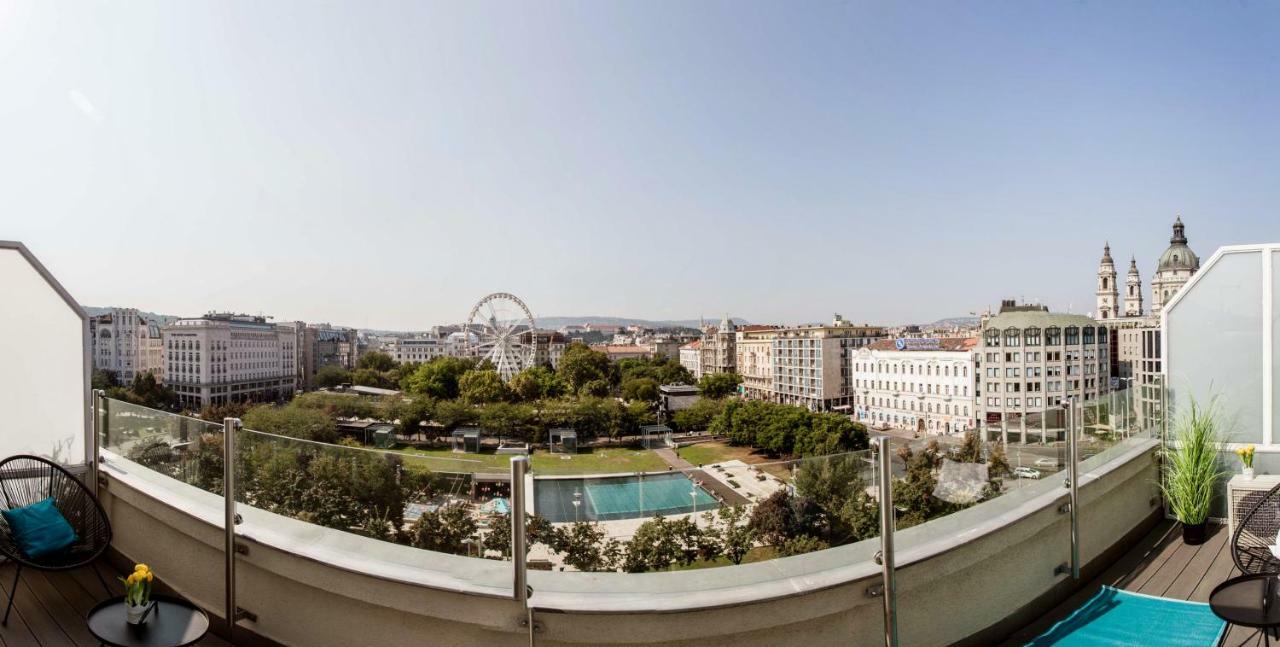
<point x="1161" y="565"/>
<point x="49" y="608"/>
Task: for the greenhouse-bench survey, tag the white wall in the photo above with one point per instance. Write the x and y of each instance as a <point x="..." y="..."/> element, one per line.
<point x="43" y="390"/>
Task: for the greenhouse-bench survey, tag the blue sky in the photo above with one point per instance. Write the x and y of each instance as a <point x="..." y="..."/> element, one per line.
<point x="386" y="164"/>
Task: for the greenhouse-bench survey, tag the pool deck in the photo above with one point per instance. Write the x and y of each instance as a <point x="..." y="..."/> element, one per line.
<point x="1160" y="565"/>
<point x="715" y="486"/>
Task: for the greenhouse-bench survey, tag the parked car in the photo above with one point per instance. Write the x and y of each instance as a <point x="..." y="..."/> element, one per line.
<point x="1026" y="473"/>
<point x="1047" y="462"/>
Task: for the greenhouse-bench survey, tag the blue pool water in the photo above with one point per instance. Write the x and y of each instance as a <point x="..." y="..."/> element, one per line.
<point x="619" y="497"/>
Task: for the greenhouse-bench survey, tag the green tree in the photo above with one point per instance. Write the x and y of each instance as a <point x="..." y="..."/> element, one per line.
<point x="579" y="364"/>
<point x="103" y="379"/>
<point x="834" y="504"/>
<point x="719" y="385"/>
<point x="595" y="388"/>
<point x="506" y="420"/>
<point x="728" y="533"/>
<point x="376" y="360"/>
<point x="698" y="416"/>
<point x="372" y="377"/>
<point x="584" y="546"/>
<point x="778" y="518"/>
<point x="536" y="383"/>
<point x="660" y="543"/>
<point x="643" y="389"/>
<point x="292" y="421"/>
<point x="800" y="545"/>
<point x="437" y="378"/>
<point x="537" y="531"/>
<point x="331" y="376"/>
<point x="410" y="413"/>
<point x="779" y="433"/>
<point x="448" y="530"/>
<point x="480" y="387"/>
<point x="452" y="414"/>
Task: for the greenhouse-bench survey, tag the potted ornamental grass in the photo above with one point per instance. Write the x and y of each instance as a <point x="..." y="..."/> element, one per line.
<point x="1192" y="470"/>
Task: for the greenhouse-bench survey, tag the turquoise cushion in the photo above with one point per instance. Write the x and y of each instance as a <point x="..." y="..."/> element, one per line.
<point x="39" y="529"/>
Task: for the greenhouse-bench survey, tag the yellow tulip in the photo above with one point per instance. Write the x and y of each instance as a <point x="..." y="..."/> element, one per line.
<point x="141" y="567"/>
<point x="149" y="576"/>
<point x="132" y="579"/>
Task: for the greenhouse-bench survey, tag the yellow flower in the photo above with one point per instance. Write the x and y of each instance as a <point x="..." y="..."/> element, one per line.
<point x="132" y="579"/>
<point x="149" y="576"/>
<point x="141" y="567"/>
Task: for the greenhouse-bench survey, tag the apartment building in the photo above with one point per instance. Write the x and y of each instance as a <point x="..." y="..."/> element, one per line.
<point x="753" y="347"/>
<point x="717" y="348"/>
<point x="323" y="345"/>
<point x="691" y="358"/>
<point x="222" y="357"/>
<point x="811" y="364"/>
<point x="1031" y="360"/>
<point x="416" y="350"/>
<point x="548" y="346"/>
<point x="127" y="344"/>
<point x="927" y="385"/>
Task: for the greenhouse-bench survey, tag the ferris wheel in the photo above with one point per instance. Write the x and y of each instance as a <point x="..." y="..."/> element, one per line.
<point x="496" y="331"/>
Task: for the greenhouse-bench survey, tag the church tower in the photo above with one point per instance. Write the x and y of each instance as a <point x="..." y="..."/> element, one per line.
<point x="1108" y="291"/>
<point x="1177" y="264"/>
<point x="1133" y="291"/>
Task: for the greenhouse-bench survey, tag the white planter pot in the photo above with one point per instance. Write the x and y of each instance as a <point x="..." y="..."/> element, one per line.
<point x="135" y="613"/>
<point x="1248" y="473"/>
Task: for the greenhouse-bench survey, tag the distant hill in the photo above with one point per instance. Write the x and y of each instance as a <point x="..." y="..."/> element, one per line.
<point x="163" y="320"/>
<point x="560" y="322"/>
<point x="955" y="321"/>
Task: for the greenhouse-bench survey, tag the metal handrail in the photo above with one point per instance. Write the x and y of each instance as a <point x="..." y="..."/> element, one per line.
<point x="886" y="544"/>
<point x="229" y="520"/>
<point x="519" y="542"/>
<point x="1073" y="481"/>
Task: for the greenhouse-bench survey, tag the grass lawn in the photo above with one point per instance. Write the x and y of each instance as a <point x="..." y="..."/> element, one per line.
<point x="599" y="460"/>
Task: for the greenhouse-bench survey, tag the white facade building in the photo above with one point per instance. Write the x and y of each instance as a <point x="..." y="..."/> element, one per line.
<point x="222" y="358"/>
<point x="926" y="385"/>
<point x="754" y="348"/>
<point x="127" y="344"/>
<point x="418" y="350"/>
<point x="691" y="358"/>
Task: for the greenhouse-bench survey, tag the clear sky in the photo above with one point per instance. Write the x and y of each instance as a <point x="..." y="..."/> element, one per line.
<point x="385" y="164"/>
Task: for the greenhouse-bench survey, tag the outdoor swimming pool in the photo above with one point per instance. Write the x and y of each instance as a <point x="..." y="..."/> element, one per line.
<point x="619" y="497"/>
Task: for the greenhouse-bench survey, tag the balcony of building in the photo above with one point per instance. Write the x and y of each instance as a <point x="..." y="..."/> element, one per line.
<point x="1002" y="565"/>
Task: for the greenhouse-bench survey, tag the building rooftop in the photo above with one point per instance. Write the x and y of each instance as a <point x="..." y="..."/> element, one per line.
<point x="922" y="344"/>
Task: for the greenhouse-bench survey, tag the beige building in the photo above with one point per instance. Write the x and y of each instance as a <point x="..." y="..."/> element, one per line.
<point x="753" y="347"/>
<point x="221" y="358"/>
<point x="717" y="348"/>
<point x="1031" y="360"/>
<point x="811" y="364"/>
<point x="127" y="344"/>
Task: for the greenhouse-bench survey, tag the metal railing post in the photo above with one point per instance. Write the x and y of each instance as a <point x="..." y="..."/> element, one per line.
<point x="1073" y="481"/>
<point x="886" y="543"/>
<point x="99" y="412"/>
<point x="229" y="427"/>
<point x="519" y="540"/>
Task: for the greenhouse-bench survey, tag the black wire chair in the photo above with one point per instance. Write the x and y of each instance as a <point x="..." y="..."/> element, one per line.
<point x="1256" y="533"/>
<point x="25" y="480"/>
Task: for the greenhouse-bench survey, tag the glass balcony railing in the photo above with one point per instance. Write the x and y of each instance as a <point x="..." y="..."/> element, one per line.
<point x="406" y="511"/>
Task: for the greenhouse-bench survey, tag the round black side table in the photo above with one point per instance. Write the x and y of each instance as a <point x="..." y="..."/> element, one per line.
<point x="1249" y="601"/>
<point x="173" y="623"/>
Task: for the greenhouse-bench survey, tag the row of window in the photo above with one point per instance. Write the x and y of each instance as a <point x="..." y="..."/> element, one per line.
<point x="1053" y="336"/>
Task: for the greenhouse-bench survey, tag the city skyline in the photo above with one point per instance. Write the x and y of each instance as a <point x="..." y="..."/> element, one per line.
<point x="891" y="164"/>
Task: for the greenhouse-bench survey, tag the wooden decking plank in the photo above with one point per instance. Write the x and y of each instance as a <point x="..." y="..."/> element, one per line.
<point x="1155" y="560"/>
<point x="16" y="632"/>
<point x="1199" y="566"/>
<point x="71" y="620"/>
<point x="1174" y="569"/>
<point x="43" y="626"/>
<point x="1222" y="569"/>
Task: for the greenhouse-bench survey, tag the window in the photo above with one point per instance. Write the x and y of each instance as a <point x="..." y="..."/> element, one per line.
<point x="1088" y="335"/>
<point x="993" y="338"/>
<point x="1073" y="336"/>
<point x="1053" y="336"/>
<point x="1032" y="336"/>
<point x="1012" y="337"/>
